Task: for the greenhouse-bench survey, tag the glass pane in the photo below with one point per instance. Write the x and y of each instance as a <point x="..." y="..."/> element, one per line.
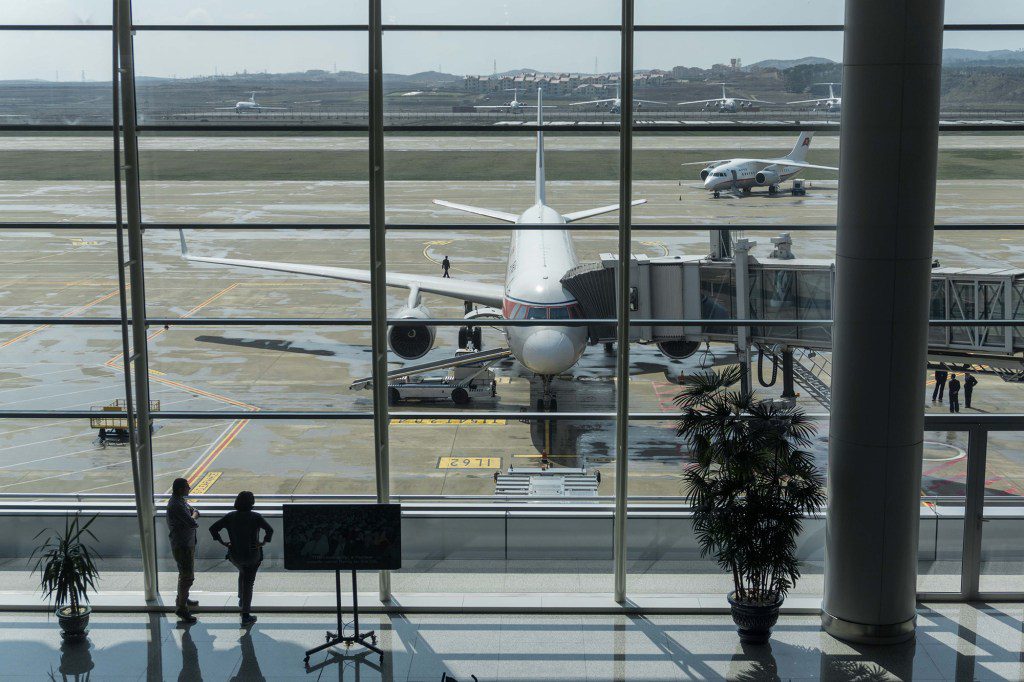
<point x="286" y="77"/>
<point x="15" y="12"/>
<point x="937" y="311"/>
<point x="260" y="179"/>
<point x="1002" y="553"/>
<point x="971" y="57"/>
<point x="180" y="288"/>
<point x="993" y="12"/>
<point x="522" y="12"/>
<point x="940" y="541"/>
<point x="66" y="86"/>
<point x="815" y="303"/>
<point x="733" y="12"/>
<point x="459" y="78"/>
<point x="248" y="13"/>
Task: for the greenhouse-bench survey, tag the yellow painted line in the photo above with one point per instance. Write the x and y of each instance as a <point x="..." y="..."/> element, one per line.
<point x="70" y="313"/>
<point x="658" y="244"/>
<point x="540" y="456"/>
<point x="217" y="449"/>
<point x="156" y="372"/>
<point x="210" y="300"/>
<point x="503" y="380"/>
<point x="448" y="422"/>
<point x="469" y="463"/>
<point x="205" y="483"/>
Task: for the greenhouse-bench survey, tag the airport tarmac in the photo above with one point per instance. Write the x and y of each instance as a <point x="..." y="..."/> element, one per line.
<point x="192" y="368"/>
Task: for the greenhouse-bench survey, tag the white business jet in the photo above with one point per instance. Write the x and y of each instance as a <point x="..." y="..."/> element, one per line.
<point x="615" y="102"/>
<point x="831" y="103"/>
<point x="537" y="261"/>
<point x="726" y="104"/>
<point x="515" y="105"/>
<point x="249" y="105"/>
<point x="740" y="175"/>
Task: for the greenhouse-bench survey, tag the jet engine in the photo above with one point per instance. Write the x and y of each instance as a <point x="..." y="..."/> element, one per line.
<point x="705" y="173"/>
<point x="767" y="177"/>
<point x="678" y="349"/>
<point x="412" y="341"/>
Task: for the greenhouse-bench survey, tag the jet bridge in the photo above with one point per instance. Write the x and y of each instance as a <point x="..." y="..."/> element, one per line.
<point x="788" y="288"/>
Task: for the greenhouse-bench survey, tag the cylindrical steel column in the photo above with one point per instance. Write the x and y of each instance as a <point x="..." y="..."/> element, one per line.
<point x="378" y="272"/>
<point x="891" y="74"/>
<point x="622" y="303"/>
<point x="139" y="359"/>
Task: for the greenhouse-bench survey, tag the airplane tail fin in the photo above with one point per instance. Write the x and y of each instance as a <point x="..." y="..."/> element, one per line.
<point x="540" y="194"/>
<point x="184" y="245"/>
<point x="803" y="143"/>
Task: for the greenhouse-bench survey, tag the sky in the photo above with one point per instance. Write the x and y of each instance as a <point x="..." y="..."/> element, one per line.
<point x="65" y="56"/>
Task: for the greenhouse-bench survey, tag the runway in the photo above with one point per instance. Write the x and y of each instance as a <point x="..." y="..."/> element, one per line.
<point x="74" y="273"/>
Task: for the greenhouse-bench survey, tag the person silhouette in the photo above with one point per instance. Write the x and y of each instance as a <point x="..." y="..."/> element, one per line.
<point x="245" y="550"/>
<point x="445" y="265"/>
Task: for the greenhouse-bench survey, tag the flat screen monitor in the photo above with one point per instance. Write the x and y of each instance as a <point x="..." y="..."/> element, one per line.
<point x="321" y="537"/>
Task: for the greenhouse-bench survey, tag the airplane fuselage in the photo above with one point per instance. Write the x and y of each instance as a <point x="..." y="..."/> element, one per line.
<point x="743" y="174"/>
<point x="537" y="261"/>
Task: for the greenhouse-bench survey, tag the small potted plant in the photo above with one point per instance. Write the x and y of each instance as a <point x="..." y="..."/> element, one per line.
<point x="67" y="573"/>
<point x="751" y="483"/>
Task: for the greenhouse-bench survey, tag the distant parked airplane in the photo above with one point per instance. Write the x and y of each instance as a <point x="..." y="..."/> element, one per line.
<point x="726" y="104"/>
<point x="249" y="105"/>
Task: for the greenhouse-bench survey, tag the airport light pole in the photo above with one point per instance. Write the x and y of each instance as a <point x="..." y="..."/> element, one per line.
<point x="138" y="362"/>
<point x="622" y="303"/>
<point x="892" y="61"/>
<point x="378" y="272"/>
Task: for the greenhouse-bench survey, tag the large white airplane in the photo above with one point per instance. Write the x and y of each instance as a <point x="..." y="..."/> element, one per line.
<point x="726" y="104"/>
<point x="514" y="106"/>
<point x="740" y="175"/>
<point x="615" y="102"/>
<point x="249" y="105"/>
<point x="830" y="103"/>
<point x="537" y="261"/>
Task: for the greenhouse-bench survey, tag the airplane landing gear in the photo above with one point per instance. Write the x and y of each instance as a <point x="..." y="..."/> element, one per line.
<point x="717" y="194"/>
<point x="471" y="336"/>
<point x="773" y="189"/>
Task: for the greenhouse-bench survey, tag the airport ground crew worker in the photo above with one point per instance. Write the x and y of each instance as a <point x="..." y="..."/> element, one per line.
<point x="954" y="394"/>
<point x="445" y="264"/>
<point x="182" y="524"/>
<point x="969" y="383"/>
<point x="940" y="384"/>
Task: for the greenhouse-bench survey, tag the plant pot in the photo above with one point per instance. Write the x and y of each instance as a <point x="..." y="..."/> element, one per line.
<point x="73" y="626"/>
<point x="754" y="621"/>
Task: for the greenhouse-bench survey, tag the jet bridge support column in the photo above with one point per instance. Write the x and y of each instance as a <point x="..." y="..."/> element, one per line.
<point x="891" y="72"/>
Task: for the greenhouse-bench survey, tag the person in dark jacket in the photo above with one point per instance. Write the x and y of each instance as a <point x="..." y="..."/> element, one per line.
<point x="245" y="549"/>
<point x="969" y="383"/>
<point x="445" y="266"/>
<point x="940" y="384"/>
<point x="182" y="524"/>
<point x="954" y="394"/>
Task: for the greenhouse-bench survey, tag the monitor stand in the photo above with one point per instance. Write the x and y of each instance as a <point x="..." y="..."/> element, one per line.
<point x="366" y="639"/>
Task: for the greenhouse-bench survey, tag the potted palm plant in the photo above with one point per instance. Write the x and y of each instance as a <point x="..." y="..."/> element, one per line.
<point x="67" y="573"/>
<point x="751" y="483"/>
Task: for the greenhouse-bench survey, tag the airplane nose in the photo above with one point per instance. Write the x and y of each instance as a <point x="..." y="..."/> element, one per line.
<point x="548" y="351"/>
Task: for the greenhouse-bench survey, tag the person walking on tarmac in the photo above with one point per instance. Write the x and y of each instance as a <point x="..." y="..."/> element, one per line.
<point x="445" y="265"/>
<point x="969" y="383"/>
<point x="954" y="394"/>
<point x="940" y="384"/>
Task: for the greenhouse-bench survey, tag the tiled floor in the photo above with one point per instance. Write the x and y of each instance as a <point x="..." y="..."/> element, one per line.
<point x="954" y="641"/>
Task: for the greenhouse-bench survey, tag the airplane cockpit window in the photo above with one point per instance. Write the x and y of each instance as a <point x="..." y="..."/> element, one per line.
<point x="538" y="314"/>
<point x="560" y="313"/>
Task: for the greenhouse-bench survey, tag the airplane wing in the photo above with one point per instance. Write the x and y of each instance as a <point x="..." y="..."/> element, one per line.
<point x="488" y="212"/>
<point x="273" y="108"/>
<point x="580" y="215"/>
<point x="700" y="101"/>
<point x="496" y="106"/>
<point x="755" y="101"/>
<point x="787" y="162"/>
<point x="224" y="108"/>
<point x="647" y="101"/>
<point x="704" y="163"/>
<point x="592" y="101"/>
<point x="805" y="101"/>
<point x="477" y="292"/>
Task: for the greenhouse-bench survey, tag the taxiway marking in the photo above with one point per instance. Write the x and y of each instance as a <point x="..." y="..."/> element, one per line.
<point x="469" y="463"/>
<point x="205" y="483"/>
<point x="70" y="313"/>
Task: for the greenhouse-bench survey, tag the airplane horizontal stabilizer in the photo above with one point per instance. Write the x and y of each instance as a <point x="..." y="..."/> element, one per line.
<point x="590" y="212"/>
<point x="487" y="212"/>
<point x="789" y="162"/>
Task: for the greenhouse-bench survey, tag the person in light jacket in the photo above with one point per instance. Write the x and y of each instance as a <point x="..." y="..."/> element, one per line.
<point x="245" y="549"/>
<point x="182" y="524"/>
